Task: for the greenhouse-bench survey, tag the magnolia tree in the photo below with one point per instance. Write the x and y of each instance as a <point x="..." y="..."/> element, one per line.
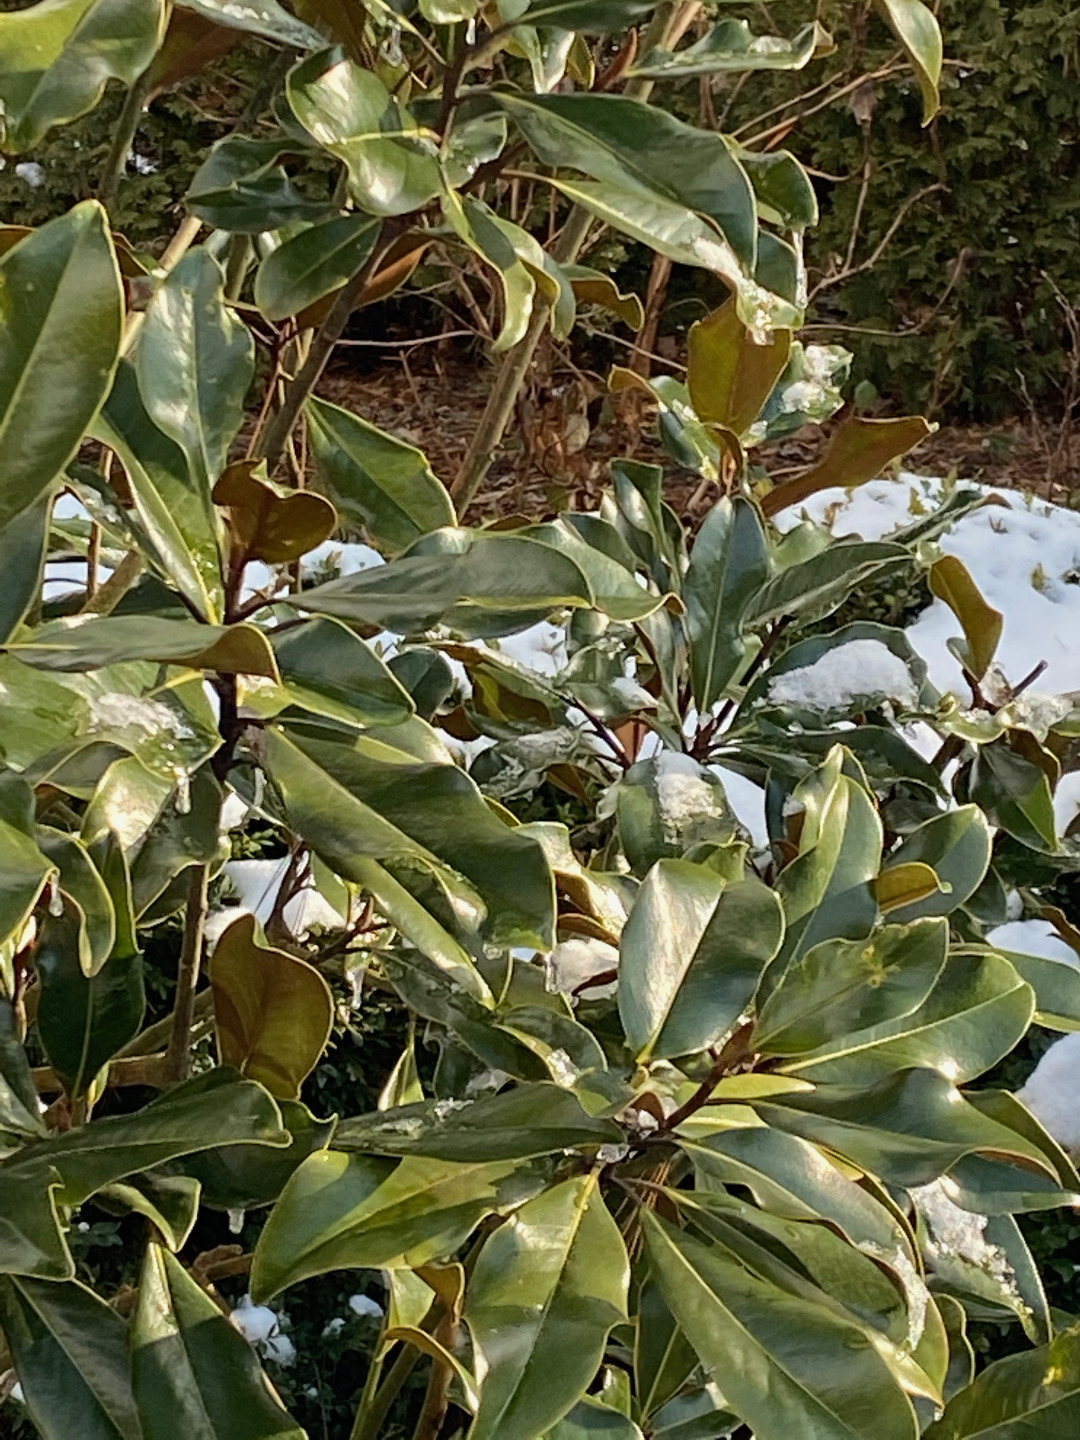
<point x="695" y="1159"/>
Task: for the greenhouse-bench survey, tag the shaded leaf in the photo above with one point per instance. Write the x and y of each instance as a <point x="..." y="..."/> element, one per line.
<point x="858" y="451"/>
<point x="92" y="643"/>
<point x="191" y="1368"/>
<point x="258" y="17"/>
<point x="269" y="522"/>
<point x="728" y="567"/>
<point x="731" y="373"/>
<point x="313" y="263"/>
<point x="1034" y="1393"/>
<point x="327" y="669"/>
<point x="915" y="26"/>
<point x="956" y="846"/>
<point x="732" y="46"/>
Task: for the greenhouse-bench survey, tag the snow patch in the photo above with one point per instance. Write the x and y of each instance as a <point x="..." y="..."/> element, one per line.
<point x="1051" y="1089"/>
<point x="1034" y="937"/>
<point x="844" y="674"/>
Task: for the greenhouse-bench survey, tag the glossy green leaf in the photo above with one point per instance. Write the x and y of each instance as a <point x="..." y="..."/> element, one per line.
<point x="327" y="670"/>
<point x="83" y="1020"/>
<point x="32" y="1242"/>
<point x="71" y="1355"/>
<point x="81" y="883"/>
<point x="1035" y="1393"/>
<point x="23" y="547"/>
<point x="350" y="113"/>
<point x="241" y="187"/>
<point x="977" y="1011"/>
<point x="826" y="890"/>
<point x="593" y="17"/>
<point x="790" y="1177"/>
<point x="788" y="1367"/>
<point x="732" y="46"/>
<point x="210" y="1110"/>
<point x="668" y="804"/>
<point x="173" y="504"/>
<point x="664" y="1359"/>
<point x="698" y="1414"/>
<point x="94" y="642"/>
<point x="355" y="1211"/>
<point x="18" y="1095"/>
<point x="842" y="986"/>
<point x="728" y="566"/>
<point x="191" y="1368"/>
<point x="823" y="579"/>
<point x="23" y="873"/>
<point x="691" y="956"/>
<point x="592" y="1420"/>
<point x="908" y="1128"/>
<point x="258" y="17"/>
<point x="169" y="1202"/>
<point x="915" y="26"/>
<point x="374" y="479"/>
<point x="547" y="1288"/>
<point x="175" y="837"/>
<point x="57" y="56"/>
<point x="619" y="142"/>
<point x="273" y="1012"/>
<point x="1015" y="794"/>
<point x="61" y="311"/>
<point x="368" y="799"/>
<point x="956" y="846"/>
<point x="519" y="1124"/>
<point x="194" y="362"/>
<point x="313" y="263"/>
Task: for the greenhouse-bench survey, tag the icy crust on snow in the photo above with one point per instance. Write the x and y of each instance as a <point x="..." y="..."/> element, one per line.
<point x="1051" y="1090"/>
<point x="1023" y="553"/>
<point x="845" y="674"/>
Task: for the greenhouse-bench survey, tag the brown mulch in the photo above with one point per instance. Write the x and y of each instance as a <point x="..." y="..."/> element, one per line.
<point x="569" y="427"/>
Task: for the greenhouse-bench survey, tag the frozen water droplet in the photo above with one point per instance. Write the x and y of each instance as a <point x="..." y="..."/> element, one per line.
<point x="563" y="1070"/>
<point x="56" y="900"/>
<point x="236" y="1221"/>
<point x="551" y="975"/>
<point x="612" y="1154"/>
<point x="183" y="793"/>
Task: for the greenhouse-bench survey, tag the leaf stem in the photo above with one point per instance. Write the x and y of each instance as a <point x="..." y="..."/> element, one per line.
<point x="372" y="1413"/>
<point x="178" y="1054"/>
<point x="123" y="135"/>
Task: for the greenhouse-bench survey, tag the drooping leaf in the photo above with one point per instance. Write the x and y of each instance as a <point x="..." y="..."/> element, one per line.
<point x="823" y="579"/>
<point x="83" y="1020"/>
<point x="732" y="46"/>
<point x="23" y="547"/>
<point x="374" y="479"/>
<point x="169" y="1202"/>
<point x="858" y="451"/>
<point x="728" y="567"/>
<point x="259" y="17"/>
<point x="691" y="956"/>
<point x="788" y="1367"/>
<point x="664" y="1359"/>
<point x="241" y="187"/>
<point x="592" y="287"/>
<point x="313" y="263"/>
<point x="273" y="1013"/>
<point x="57" y="56"/>
<point x="950" y="580"/>
<point x="207" y="1111"/>
<point x="593" y="17"/>
<point x="343" y="1211"/>
<point x="83" y="885"/>
<point x="369" y="799"/>
<point x="23" y="873"/>
<point x="350" y="113"/>
<point x="194" y="362"/>
<point x="244" y="1177"/>
<point x="61" y="311"/>
<point x="592" y="1420"/>
<point x="786" y="196"/>
<point x="95" y="642"/>
<point x="173" y="504"/>
<point x="1035" y="1393"/>
<point x="915" y="26"/>
<point x="1014" y="793"/>
<point x="531" y="1120"/>
<point x="547" y="1288"/>
<point x="32" y="1243"/>
<point x="619" y="142"/>
<point x="71" y="1355"/>
<point x="18" y="1095"/>
<point x="191" y="1369"/>
<point x="731" y="374"/>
